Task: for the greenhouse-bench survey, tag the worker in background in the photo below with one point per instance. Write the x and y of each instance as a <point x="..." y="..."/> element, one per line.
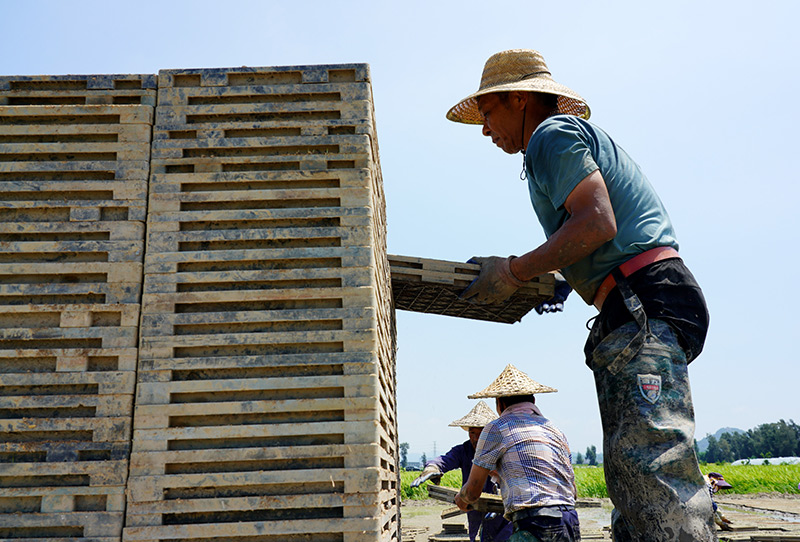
<point x="609" y="235"/>
<point x="493" y="528"/>
<point x="716" y="483"/>
<point x="532" y="460"/>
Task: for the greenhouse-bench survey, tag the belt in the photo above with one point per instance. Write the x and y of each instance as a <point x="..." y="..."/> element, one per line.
<point x="631" y="266"/>
<point x="551" y="511"/>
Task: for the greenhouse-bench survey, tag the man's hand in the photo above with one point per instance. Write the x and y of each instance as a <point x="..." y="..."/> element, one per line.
<point x="496" y="282"/>
<point x="555" y="303"/>
<point x="722" y="522"/>
<point x="471" y="490"/>
<point x="461" y="503"/>
<point x="430" y="473"/>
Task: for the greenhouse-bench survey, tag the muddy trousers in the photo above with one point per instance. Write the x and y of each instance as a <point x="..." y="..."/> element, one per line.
<point x="651" y="468"/>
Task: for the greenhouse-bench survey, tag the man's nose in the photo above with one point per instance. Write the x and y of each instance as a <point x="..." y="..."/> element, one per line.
<point x="486" y="131"/>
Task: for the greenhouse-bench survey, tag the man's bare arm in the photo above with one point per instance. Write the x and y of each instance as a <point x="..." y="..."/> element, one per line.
<point x="471" y="491"/>
<point x="591" y="224"/>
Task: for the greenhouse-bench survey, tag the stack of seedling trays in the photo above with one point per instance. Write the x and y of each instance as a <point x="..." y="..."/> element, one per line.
<point x="435" y="286"/>
<point x="74" y="159"/>
<point x="265" y="399"/>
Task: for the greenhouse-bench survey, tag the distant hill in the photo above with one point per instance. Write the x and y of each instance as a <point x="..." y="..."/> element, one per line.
<point x="702" y="445"/>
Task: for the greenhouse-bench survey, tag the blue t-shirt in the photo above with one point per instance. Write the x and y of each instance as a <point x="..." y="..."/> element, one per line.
<point x="562" y="151"/>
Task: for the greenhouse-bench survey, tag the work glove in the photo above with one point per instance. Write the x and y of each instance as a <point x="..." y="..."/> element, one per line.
<point x="723" y="522"/>
<point x="496" y="282"/>
<point x="555" y="303"/>
<point x="431" y="473"/>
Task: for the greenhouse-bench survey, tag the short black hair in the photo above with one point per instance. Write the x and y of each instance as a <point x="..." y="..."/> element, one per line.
<point x="550" y="101"/>
<point x="506" y="402"/>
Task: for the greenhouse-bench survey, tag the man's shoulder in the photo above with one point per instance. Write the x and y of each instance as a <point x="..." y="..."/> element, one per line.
<point x="460" y="447"/>
<point x="558" y="130"/>
<point x="563" y="120"/>
<point x="521" y="419"/>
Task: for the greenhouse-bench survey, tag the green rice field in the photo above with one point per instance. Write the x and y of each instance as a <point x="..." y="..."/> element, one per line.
<point x="591" y="481"/>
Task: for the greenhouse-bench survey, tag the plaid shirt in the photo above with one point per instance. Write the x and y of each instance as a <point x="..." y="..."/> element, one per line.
<point x="532" y="458"/>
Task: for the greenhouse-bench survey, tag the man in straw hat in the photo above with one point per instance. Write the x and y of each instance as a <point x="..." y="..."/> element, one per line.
<point x="716" y="482"/>
<point x="610" y="236"/>
<point x="492" y="528"/>
<point x="531" y="458"/>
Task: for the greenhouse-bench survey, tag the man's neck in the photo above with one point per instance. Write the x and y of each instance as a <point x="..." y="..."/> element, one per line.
<point x="535" y="114"/>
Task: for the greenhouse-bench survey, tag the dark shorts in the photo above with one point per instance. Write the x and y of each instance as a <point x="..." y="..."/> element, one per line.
<point x="669" y="292"/>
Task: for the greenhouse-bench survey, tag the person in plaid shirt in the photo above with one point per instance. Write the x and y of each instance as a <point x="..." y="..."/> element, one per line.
<point x="531" y="457"/>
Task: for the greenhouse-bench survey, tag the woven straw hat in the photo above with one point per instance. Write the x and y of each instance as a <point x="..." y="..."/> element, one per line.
<point x="517" y="69"/>
<point x="511" y="382"/>
<point x="479" y="416"/>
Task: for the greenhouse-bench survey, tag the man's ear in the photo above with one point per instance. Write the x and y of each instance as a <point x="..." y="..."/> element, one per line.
<point x="518" y="100"/>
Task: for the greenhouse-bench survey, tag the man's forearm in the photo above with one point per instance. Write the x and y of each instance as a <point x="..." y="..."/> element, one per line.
<point x="565" y="247"/>
<point x="469" y="494"/>
<point x="472" y="489"/>
<point x="591" y="224"/>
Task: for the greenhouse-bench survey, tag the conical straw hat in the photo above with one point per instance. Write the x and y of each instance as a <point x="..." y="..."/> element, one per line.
<point x="479" y="416"/>
<point x="517" y="70"/>
<point x="511" y="382"/>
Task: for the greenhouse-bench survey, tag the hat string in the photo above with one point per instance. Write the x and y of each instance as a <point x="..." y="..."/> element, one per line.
<point x="522" y="175"/>
<point x="534" y="73"/>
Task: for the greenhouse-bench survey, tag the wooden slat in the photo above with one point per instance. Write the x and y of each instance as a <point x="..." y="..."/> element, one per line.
<point x="20" y="115"/>
<point x="159" y="393"/>
<point x="22" y="478"/>
<point x="156" y="463"/>
<point x="101" y="429"/>
<point x="263" y="75"/>
<point x="74" y="525"/>
<point x="105" y="382"/>
<point x="485" y="503"/>
<point x="44" y="451"/>
<point x="69" y="360"/>
<point x="173" y="262"/>
<point x="85" y="133"/>
<point x="134" y="170"/>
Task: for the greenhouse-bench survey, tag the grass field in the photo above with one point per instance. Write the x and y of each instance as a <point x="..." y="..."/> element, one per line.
<point x="591" y="481"/>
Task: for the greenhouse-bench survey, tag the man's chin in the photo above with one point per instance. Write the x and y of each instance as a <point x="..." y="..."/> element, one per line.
<point x="502" y="147"/>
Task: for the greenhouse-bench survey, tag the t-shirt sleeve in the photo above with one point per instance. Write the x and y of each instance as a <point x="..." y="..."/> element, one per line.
<point x="559" y="157"/>
<point x="489" y="448"/>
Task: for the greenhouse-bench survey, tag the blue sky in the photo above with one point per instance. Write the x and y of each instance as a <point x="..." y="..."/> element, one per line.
<point x="702" y="94"/>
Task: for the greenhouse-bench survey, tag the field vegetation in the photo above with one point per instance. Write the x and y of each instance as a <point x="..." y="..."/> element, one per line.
<point x="591" y="482"/>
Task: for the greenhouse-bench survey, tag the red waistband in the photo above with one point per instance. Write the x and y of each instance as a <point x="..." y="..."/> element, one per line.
<point x="631" y="266"/>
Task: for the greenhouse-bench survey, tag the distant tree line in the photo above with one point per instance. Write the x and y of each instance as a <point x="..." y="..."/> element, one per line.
<point x="591" y="456"/>
<point x="779" y="439"/>
<point x="404" y="455"/>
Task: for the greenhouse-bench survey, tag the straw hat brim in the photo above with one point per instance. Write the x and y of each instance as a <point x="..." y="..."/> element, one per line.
<point x="479" y="416"/>
<point x="512" y="382"/>
<point x="569" y="102"/>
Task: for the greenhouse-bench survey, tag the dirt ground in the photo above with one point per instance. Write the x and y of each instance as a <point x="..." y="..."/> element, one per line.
<point x="752" y="515"/>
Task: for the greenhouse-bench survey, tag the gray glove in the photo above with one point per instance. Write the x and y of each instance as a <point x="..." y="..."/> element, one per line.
<point x="430" y="473"/>
<point x="496" y="282"/>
